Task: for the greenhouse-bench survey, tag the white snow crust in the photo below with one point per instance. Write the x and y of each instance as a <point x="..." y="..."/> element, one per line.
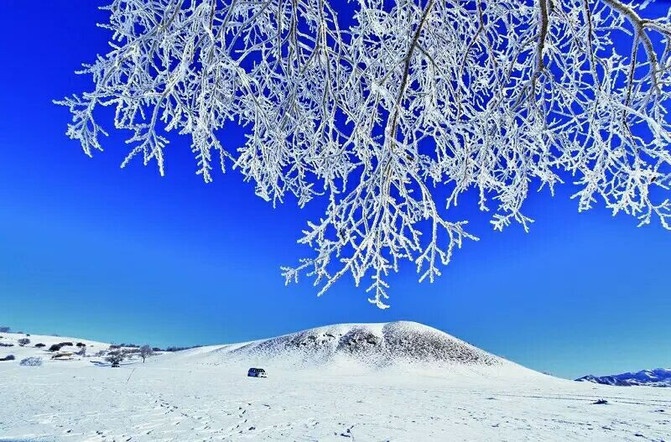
<point x="367" y="382"/>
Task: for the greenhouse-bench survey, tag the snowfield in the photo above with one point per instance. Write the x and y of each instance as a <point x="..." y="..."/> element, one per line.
<point x="366" y="382"/>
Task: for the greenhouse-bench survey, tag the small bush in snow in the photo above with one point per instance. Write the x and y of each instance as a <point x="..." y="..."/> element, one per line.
<point x="23" y="342"/>
<point x="7" y="358"/>
<point x="115" y="358"/>
<point x="31" y="362"/>
<point x="40" y="345"/>
<point x="57" y="347"/>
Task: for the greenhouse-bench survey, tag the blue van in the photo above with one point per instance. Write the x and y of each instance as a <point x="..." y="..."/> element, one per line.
<point x="256" y="373"/>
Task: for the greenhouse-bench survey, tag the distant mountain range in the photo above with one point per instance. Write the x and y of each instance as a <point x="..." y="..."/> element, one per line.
<point x="660" y="377"/>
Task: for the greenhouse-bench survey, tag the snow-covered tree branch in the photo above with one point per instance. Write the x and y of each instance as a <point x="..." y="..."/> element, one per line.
<point x="377" y="106"/>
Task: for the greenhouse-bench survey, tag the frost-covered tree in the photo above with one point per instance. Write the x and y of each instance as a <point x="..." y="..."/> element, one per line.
<point x="380" y="106"/>
<point x="145" y="352"/>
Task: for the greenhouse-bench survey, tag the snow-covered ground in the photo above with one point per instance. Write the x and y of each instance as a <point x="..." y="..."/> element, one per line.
<point x="401" y="381"/>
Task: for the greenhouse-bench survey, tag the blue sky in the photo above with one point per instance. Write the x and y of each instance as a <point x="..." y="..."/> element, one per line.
<point x="90" y="250"/>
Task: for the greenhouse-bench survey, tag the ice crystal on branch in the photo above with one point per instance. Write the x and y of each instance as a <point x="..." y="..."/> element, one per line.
<point x="499" y="97"/>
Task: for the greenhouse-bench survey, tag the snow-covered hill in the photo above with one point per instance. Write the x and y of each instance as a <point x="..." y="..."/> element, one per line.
<point x="23" y="345"/>
<point x="659" y="377"/>
<point x="354" y="346"/>
<point x="59" y="350"/>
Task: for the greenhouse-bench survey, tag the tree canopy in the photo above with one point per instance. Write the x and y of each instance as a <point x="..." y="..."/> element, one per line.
<point x="375" y="105"/>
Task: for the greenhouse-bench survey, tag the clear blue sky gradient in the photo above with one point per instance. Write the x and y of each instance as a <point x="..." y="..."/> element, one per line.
<point x="90" y="250"/>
